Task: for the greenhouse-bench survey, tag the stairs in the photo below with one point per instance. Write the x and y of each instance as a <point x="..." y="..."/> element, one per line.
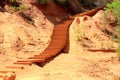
<point x="59" y="39"/>
<point x="58" y="42"/>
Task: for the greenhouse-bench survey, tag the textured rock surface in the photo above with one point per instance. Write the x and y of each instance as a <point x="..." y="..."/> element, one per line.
<point x="19" y="38"/>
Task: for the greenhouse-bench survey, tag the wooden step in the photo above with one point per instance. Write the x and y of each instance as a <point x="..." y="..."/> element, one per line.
<point x="60" y="29"/>
<point x="68" y="22"/>
<point x="102" y="50"/>
<point x="15" y="67"/>
<point x="59" y="37"/>
<point x="59" y="25"/>
<point x="45" y="56"/>
<point x="6" y="71"/>
<point x="50" y="51"/>
<point x="1" y="76"/>
<point x="57" y="42"/>
<point x="23" y="63"/>
<point x="49" y="55"/>
<point x="32" y="60"/>
<point x="58" y="33"/>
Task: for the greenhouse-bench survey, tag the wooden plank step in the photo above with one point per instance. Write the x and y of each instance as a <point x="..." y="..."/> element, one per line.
<point x="60" y="29"/>
<point x="57" y="42"/>
<point x="59" y="25"/>
<point x="49" y="55"/>
<point x="49" y="50"/>
<point x="67" y="23"/>
<point x="102" y="50"/>
<point x="15" y="67"/>
<point x="6" y="71"/>
<point x="59" y="34"/>
<point x="45" y="56"/>
<point x="58" y="37"/>
<point x="23" y="63"/>
<point x="55" y="47"/>
<point x="1" y="76"/>
<point x="32" y="60"/>
<point x="41" y="57"/>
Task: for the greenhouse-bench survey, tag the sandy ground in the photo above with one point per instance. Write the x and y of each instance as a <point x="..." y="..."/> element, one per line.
<point x="75" y="66"/>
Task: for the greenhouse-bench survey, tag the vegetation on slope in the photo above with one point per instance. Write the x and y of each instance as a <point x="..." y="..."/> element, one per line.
<point x="114" y="7"/>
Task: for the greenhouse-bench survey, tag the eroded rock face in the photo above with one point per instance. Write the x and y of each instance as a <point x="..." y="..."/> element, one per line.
<point x="54" y="12"/>
<point x="75" y="6"/>
<point x="21" y="39"/>
<point x="91" y="32"/>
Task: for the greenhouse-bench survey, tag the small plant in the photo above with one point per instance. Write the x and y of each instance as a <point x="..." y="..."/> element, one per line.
<point x="118" y="52"/>
<point x="114" y="7"/>
<point x="21" y="7"/>
<point x="79" y="32"/>
<point x="14" y="8"/>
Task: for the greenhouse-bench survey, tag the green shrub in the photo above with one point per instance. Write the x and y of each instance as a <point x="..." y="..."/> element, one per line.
<point x="11" y="9"/>
<point x="114" y="7"/>
<point x="118" y="52"/>
<point x="79" y="32"/>
<point x="22" y="7"/>
<point x="14" y="8"/>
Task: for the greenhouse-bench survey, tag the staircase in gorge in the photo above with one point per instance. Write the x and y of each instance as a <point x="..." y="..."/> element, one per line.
<point x="59" y="39"/>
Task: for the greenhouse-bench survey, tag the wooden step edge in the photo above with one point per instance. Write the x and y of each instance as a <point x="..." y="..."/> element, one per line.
<point x="6" y="71"/>
<point x="32" y="60"/>
<point x="39" y="57"/>
<point x="102" y="50"/>
<point x="1" y="76"/>
<point x="23" y="63"/>
<point x="49" y="55"/>
<point x="15" y="67"/>
<point x="59" y="25"/>
<point x="43" y="56"/>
